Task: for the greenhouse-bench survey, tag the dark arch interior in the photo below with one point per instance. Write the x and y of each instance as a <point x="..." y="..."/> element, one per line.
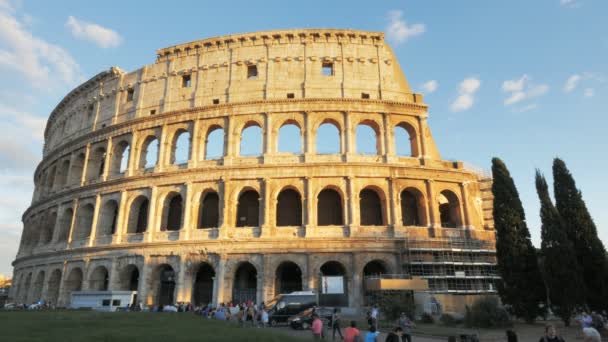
<point x="248" y="211"/>
<point x="167" y="285"/>
<point x="210" y="210"/>
<point x="142" y="216"/>
<point x="329" y="208"/>
<point x="174" y="214"/>
<point x="245" y="283"/>
<point x="370" y="208"/>
<point x="288" y="278"/>
<point x="99" y="279"/>
<point x="374" y="268"/>
<point x="203" y="285"/>
<point x="409" y="209"/>
<point x="449" y="210"/>
<point x="289" y="208"/>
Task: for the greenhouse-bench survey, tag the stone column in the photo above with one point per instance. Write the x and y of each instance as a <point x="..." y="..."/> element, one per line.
<point x="117" y="99"/>
<point x="122" y="220"/>
<point x="107" y="161"/>
<point x="354" y="282"/>
<point x="195" y="142"/>
<point x="421" y="137"/>
<point x="164" y="149"/>
<point x="93" y="235"/>
<point x="143" y="287"/>
<point x="351" y="202"/>
<point x="134" y="155"/>
<point x="309" y="141"/>
<point x="62" y="295"/>
<point x="464" y="209"/>
<point x="152" y="226"/>
<point x="226" y="224"/>
<point x="267" y="226"/>
<point x="219" y="280"/>
<point x="114" y="276"/>
<point x="180" y="284"/>
<point x="140" y="92"/>
<point x="85" y="165"/>
<point x="310" y="219"/>
<point x="347" y="136"/>
<point x="73" y="222"/>
<point x="269" y="145"/>
<point x="187" y="221"/>
<point x="432" y="209"/>
<point x="391" y="203"/>
<point x="389" y="138"/>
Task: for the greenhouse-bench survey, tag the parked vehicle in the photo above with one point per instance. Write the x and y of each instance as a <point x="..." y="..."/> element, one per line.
<point x="286" y="305"/>
<point x="303" y="320"/>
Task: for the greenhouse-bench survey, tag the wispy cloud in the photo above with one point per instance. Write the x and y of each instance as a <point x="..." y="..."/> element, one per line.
<point x="430" y="86"/>
<point x="570" y="3"/>
<point x="466" y="98"/>
<point x="585" y="79"/>
<point x="571" y="83"/>
<point x="398" y="31"/>
<point x="589" y="92"/>
<point x="101" y="36"/>
<point x="522" y="89"/>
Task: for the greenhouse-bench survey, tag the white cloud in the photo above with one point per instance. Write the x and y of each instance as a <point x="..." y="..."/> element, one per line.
<point x="522" y="89"/>
<point x="102" y="36"/>
<point x="39" y="61"/>
<point x="466" y="98"/>
<point x="526" y="108"/>
<point x="430" y="86"/>
<point x="589" y="92"/>
<point x="571" y="83"/>
<point x="570" y="3"/>
<point x="398" y="31"/>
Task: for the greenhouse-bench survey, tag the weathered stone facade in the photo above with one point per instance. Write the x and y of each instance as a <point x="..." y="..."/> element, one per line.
<point x="212" y="228"/>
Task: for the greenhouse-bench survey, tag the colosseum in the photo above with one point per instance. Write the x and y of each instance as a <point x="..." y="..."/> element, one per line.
<point x="148" y="184"/>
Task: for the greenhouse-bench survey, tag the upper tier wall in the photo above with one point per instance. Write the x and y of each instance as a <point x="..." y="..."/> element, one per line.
<point x="218" y="70"/>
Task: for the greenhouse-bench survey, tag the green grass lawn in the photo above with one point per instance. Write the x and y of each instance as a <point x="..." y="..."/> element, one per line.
<point x="90" y="326"/>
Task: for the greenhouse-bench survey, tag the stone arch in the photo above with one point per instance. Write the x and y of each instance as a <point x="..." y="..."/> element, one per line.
<point x="96" y="163"/>
<point x="37" y="287"/>
<point x="51" y="175"/>
<point x="173" y="212"/>
<point x="202" y="290"/>
<point x="328" y="137"/>
<point x="149" y="152"/>
<point x="76" y="169"/>
<point x="26" y="288"/>
<point x="449" y="209"/>
<point x="329" y="287"/>
<point x="245" y="284"/>
<point x="251" y="143"/>
<point x="138" y="215"/>
<point x="120" y="158"/>
<point x="48" y="228"/>
<point x="371" y="207"/>
<point x="54" y="282"/>
<point x="61" y="178"/>
<point x="288" y="130"/>
<point x="84" y="221"/>
<point x="372" y="270"/>
<point x="288" y="278"/>
<point x="129" y="278"/>
<point x="367" y="137"/>
<point x="413" y="207"/>
<point x="215" y="143"/>
<point x="289" y="208"/>
<point x="107" y="220"/>
<point x="330" y="209"/>
<point x="99" y="279"/>
<point x="209" y="210"/>
<point x="73" y="282"/>
<point x="181" y="147"/>
<point x="164" y="284"/>
<point x="248" y="208"/>
<point x="65" y="223"/>
<point x="401" y="144"/>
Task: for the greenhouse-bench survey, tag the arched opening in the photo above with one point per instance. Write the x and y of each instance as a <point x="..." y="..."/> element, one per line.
<point x="245" y="283"/>
<point x="166" y="289"/>
<point x="209" y="213"/>
<point x="149" y="153"/>
<point x="173" y="212"/>
<point x="138" y="215"/>
<point x="37" y="287"/>
<point x="180" y="151"/>
<point x="120" y="158"/>
<point x="328" y="139"/>
<point x="65" y="225"/>
<point x="107" y="218"/>
<point x="26" y="288"/>
<point x="84" y="221"/>
<point x="248" y="210"/>
<point x="73" y="282"/>
<point x="329" y="208"/>
<point x="406" y="143"/>
<point x="203" y="285"/>
<point x="367" y="139"/>
<point x="99" y="279"/>
<point x="251" y="140"/>
<point x="214" y="146"/>
<point x="413" y="212"/>
<point x="50" y="182"/>
<point x="129" y="278"/>
<point x="48" y="227"/>
<point x="372" y="270"/>
<point x="52" y="294"/>
<point x="96" y="163"/>
<point x="370" y="208"/>
<point x="288" y="278"/>
<point x="76" y="170"/>
<point x="62" y="175"/>
<point x="289" y="208"/>
<point x="287" y="139"/>
<point x="333" y="285"/>
<point x="449" y="209"/>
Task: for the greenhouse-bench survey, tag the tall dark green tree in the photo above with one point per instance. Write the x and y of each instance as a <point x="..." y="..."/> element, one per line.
<point x="561" y="269"/>
<point x="522" y="285"/>
<point x="582" y="232"/>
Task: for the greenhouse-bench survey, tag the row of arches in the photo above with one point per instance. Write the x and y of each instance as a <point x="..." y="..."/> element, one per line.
<point x="329" y="139"/>
<point x="289" y="212"/>
<point x="162" y="286"/>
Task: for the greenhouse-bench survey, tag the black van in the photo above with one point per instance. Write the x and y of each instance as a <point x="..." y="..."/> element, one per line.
<point x="284" y="306"/>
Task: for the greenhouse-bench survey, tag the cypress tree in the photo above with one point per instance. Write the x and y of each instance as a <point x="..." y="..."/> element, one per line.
<point x="522" y="286"/>
<point x="561" y="268"/>
<point x="581" y="231"/>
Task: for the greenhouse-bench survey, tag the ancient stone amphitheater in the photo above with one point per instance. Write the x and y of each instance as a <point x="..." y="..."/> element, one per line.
<point x="118" y="206"/>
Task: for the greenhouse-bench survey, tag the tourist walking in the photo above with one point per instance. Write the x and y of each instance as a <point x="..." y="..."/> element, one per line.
<point x="335" y="325"/>
<point x="395" y="335"/>
<point x="317" y="327"/>
<point x="551" y="335"/>
<point x="264" y="318"/>
<point x="372" y="335"/>
<point x="406" y="324"/>
<point x="351" y="333"/>
<point x="374" y="315"/>
<point x="591" y="335"/>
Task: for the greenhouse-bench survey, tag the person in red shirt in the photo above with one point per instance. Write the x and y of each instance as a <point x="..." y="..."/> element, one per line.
<point x="351" y="333"/>
<point x="317" y="328"/>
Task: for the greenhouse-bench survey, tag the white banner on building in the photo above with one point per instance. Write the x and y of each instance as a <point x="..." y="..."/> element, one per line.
<point x="332" y="285"/>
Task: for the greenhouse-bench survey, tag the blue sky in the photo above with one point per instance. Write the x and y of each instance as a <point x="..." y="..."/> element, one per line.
<point x="522" y="80"/>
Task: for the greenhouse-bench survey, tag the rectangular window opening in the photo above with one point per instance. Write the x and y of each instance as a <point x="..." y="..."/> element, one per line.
<point x="186" y="81"/>
<point x="291" y="95"/>
<point x="364" y="95"/>
<point x="216" y="101"/>
<point x="328" y="69"/>
<point x="252" y="72"/>
<point x="153" y="111"/>
<point x="130" y="93"/>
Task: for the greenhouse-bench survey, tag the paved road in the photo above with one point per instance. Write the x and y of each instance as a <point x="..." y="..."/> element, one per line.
<point x="305" y="333"/>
